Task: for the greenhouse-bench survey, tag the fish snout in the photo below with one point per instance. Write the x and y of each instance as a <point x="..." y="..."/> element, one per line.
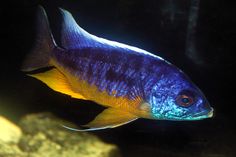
<point x="211" y="113"/>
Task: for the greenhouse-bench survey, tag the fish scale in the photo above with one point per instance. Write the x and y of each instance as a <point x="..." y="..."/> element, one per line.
<point x="124" y="76"/>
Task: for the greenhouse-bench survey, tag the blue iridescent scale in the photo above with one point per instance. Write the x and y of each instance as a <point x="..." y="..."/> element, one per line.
<point x="112" y="69"/>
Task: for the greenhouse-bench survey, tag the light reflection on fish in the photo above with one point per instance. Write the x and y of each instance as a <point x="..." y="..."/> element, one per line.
<point x="132" y="83"/>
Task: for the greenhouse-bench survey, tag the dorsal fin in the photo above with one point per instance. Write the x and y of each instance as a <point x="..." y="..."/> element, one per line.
<point x="75" y="37"/>
<point x="72" y="35"/>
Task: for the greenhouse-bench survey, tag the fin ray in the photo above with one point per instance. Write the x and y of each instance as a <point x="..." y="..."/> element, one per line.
<point x="82" y="130"/>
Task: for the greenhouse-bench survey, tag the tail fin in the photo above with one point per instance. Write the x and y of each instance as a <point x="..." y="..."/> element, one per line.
<point x="40" y="54"/>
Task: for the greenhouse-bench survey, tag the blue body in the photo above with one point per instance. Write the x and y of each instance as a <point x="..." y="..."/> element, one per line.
<point x="114" y="68"/>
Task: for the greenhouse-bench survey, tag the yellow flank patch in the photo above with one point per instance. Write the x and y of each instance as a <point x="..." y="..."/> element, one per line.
<point x="58" y="82"/>
<point x="91" y="92"/>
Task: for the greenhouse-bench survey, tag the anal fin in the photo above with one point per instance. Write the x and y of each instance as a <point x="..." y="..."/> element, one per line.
<point x="110" y="118"/>
<point x="58" y="82"/>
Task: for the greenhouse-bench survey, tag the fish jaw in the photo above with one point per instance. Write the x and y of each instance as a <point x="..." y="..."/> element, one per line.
<point x="203" y="115"/>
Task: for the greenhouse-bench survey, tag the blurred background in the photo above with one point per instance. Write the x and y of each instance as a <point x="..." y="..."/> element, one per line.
<point x="198" y="36"/>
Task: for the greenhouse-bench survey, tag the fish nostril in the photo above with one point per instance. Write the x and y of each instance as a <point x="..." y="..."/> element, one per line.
<point x="205" y="104"/>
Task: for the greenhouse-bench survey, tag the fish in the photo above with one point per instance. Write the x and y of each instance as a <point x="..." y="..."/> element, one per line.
<point x="129" y="82"/>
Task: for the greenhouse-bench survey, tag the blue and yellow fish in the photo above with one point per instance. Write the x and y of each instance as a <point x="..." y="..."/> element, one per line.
<point x="132" y="83"/>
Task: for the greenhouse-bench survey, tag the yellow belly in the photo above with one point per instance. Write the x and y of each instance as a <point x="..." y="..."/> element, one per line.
<point x="91" y="92"/>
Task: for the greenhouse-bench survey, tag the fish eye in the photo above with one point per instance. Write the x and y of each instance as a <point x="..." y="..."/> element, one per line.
<point x="185" y="99"/>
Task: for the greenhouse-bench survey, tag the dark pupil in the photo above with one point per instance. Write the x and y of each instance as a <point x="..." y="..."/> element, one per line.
<point x="185" y="100"/>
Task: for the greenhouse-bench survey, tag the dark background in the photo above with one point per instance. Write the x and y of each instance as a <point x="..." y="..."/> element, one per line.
<point x="159" y="26"/>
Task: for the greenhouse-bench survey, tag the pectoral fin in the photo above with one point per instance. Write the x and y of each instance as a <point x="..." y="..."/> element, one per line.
<point x="110" y="118"/>
<point x="58" y="82"/>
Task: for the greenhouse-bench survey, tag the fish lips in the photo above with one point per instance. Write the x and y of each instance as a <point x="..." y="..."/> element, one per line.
<point x="205" y="114"/>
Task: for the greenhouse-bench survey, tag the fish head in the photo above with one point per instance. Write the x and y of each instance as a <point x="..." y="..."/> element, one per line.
<point x="175" y="97"/>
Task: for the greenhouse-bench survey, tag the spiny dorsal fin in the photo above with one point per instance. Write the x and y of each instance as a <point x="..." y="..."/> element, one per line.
<point x="73" y="36"/>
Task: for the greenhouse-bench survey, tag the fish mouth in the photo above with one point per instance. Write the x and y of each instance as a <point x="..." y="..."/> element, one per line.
<point x="205" y="114"/>
<point x="211" y="113"/>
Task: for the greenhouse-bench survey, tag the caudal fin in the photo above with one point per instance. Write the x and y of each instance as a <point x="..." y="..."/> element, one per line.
<point x="39" y="57"/>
